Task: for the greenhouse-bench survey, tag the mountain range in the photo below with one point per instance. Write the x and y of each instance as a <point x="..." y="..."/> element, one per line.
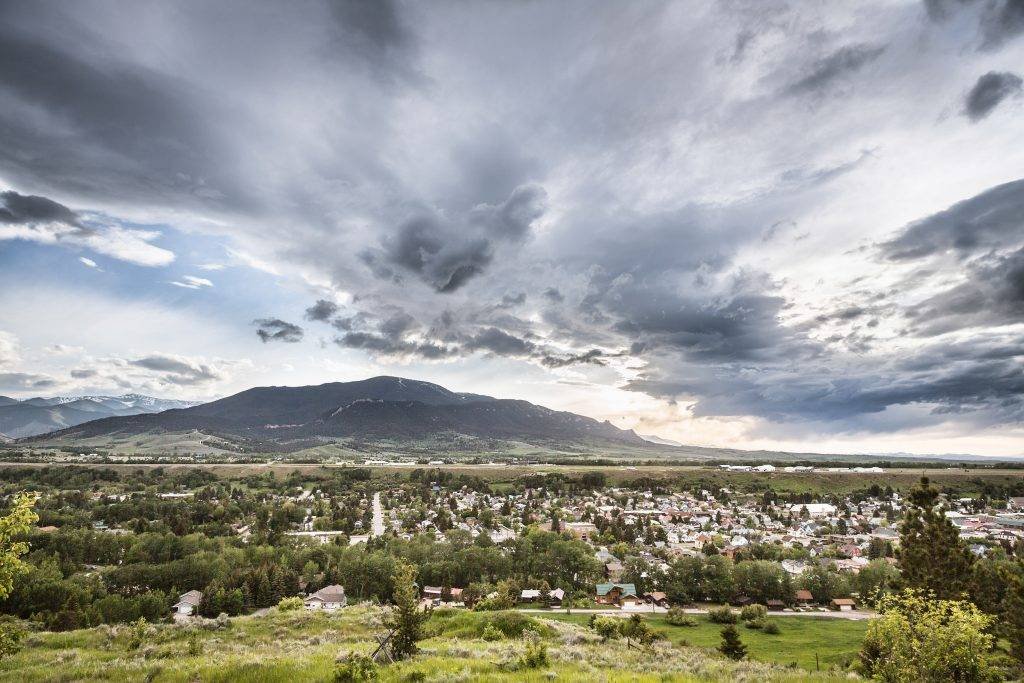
<point x="34" y="416"/>
<point x="380" y="408"/>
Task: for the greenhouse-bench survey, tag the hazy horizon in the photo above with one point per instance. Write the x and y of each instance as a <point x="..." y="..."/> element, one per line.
<point x="744" y="225"/>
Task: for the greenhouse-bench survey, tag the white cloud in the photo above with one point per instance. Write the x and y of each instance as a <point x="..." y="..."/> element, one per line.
<point x="192" y="282"/>
<point x="133" y="246"/>
<point x="212" y="266"/>
<point x="88" y="262"/>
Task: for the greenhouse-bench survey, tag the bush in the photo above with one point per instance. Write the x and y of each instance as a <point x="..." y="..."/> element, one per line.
<point x="606" y="627"/>
<point x="918" y="638"/>
<point x="753" y="612"/>
<point x="290" y="604"/>
<point x="770" y="627"/>
<point x="511" y="624"/>
<point x="355" y="668"/>
<point x="535" y="655"/>
<point x="195" y="648"/>
<point x="11" y="635"/>
<point x="721" y="615"/>
<point x="494" y="604"/>
<point x="677" y="617"/>
<point x="137" y="635"/>
<point x="754" y="623"/>
<point x="491" y="633"/>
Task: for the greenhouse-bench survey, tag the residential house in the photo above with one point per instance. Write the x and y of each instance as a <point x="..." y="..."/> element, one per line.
<point x="844" y="604"/>
<point x="327" y="598"/>
<point x="615" y="593"/>
<point x="188" y="604"/>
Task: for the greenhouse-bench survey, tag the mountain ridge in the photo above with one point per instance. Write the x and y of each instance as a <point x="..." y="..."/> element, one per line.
<point x="38" y="415"/>
<point x="383" y="408"/>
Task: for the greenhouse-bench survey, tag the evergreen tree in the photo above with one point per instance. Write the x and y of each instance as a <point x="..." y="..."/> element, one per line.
<point x="932" y="556"/>
<point x="731" y="645"/>
<point x="406" y="618"/>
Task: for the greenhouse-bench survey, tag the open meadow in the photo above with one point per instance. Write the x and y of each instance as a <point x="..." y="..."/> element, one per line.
<point x="299" y="645"/>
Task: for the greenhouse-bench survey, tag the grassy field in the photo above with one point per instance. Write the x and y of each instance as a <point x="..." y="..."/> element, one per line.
<point x="300" y="646"/>
<point x="800" y="639"/>
<point x="963" y="482"/>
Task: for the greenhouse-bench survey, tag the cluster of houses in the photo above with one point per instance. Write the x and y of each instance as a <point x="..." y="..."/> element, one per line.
<point x="841" y="532"/>
<point x="328" y="598"/>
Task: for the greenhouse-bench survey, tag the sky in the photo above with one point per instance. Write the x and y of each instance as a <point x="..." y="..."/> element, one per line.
<point x="749" y="224"/>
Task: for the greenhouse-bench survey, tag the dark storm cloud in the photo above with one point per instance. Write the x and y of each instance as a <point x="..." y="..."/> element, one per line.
<point x="29" y="209"/>
<point x="275" y="329"/>
<point x="943" y="379"/>
<point x="552" y="294"/>
<point x="998" y="21"/>
<point x="178" y="370"/>
<point x="992" y="219"/>
<point x="591" y="357"/>
<point x="512" y="300"/>
<point x="989" y="91"/>
<point x="499" y="343"/>
<point x="993" y="295"/>
<point x="446" y="255"/>
<point x="124" y="130"/>
<point x="322" y="310"/>
<point x="826" y="71"/>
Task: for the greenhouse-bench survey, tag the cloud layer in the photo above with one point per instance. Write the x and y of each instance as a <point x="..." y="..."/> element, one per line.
<point x="803" y="220"/>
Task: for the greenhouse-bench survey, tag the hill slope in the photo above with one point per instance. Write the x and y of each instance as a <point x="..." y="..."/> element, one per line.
<point x="42" y="415"/>
<point x="380" y="408"/>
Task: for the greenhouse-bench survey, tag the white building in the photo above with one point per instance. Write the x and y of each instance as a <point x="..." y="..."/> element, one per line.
<point x="188" y="604"/>
<point x="327" y="598"/>
<point x="813" y="509"/>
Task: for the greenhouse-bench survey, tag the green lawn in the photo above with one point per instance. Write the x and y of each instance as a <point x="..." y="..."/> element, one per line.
<point x="834" y="641"/>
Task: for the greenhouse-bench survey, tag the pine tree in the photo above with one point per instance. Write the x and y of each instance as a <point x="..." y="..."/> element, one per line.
<point x="732" y="647"/>
<point x="406" y="618"/>
<point x="932" y="556"/>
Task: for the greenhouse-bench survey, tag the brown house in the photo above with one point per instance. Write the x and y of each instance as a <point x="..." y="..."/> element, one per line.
<point x="804" y="597"/>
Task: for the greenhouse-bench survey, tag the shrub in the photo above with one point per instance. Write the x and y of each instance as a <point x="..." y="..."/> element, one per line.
<point x="606" y="627"/>
<point x="10" y="639"/>
<point x="677" y="617"/>
<point x="491" y="633"/>
<point x="753" y="612"/>
<point x="290" y="604"/>
<point x="770" y="627"/>
<point x="754" y="623"/>
<point x="721" y="615"/>
<point x="137" y="635"/>
<point x="635" y="627"/>
<point x="918" y="638"/>
<point x="535" y="654"/>
<point x="355" y="668"/>
<point x="497" y="603"/>
<point x="511" y="624"/>
<point x="195" y="648"/>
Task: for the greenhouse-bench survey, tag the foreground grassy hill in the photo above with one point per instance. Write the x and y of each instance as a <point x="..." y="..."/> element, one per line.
<point x="301" y="646"/>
